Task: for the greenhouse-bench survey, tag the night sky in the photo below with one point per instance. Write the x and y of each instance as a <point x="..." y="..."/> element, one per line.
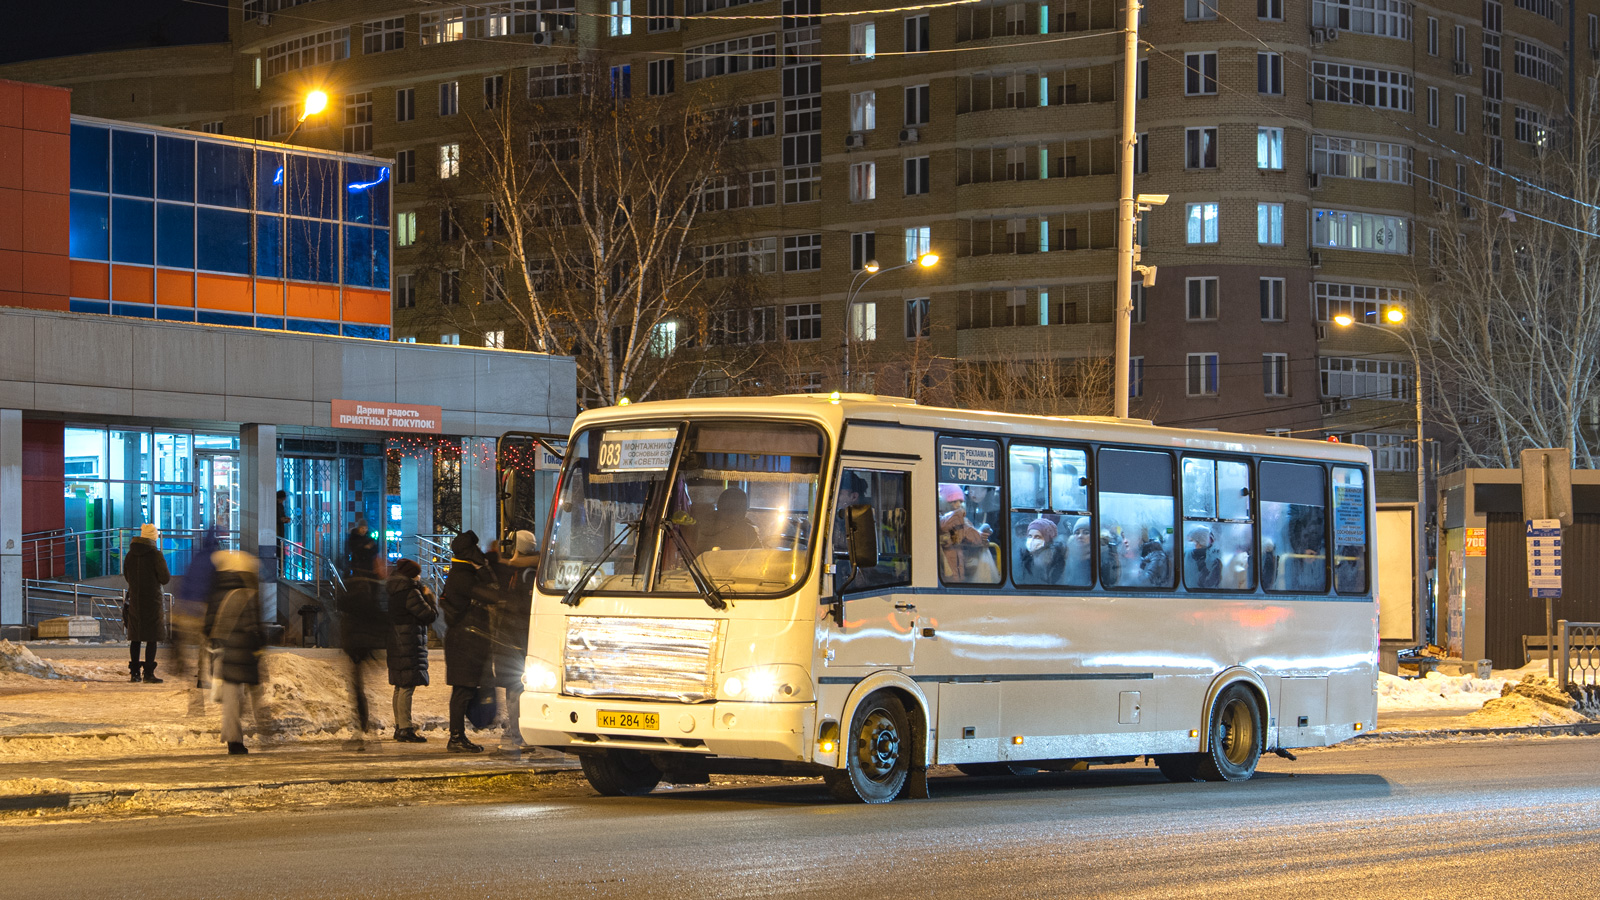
<point x="36" y="30"/>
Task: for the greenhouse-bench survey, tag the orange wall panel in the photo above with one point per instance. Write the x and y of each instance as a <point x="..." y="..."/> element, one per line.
<point x="269" y="297"/>
<point x="43" y="273"/>
<point x="45" y="166"/>
<point x="228" y="294"/>
<point x="130" y="284"/>
<point x="11" y="140"/>
<point x="312" y="301"/>
<point x="174" y="288"/>
<point x="370" y="307"/>
<point x="91" y="280"/>
<point x="10" y="270"/>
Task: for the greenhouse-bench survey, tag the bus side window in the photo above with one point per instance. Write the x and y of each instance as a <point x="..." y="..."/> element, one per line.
<point x="1349" y="530"/>
<point x="889" y="495"/>
<point x="1218" y="532"/>
<point x="1294" y="528"/>
<point x="1052" y="537"/>
<point x="1136" y="519"/>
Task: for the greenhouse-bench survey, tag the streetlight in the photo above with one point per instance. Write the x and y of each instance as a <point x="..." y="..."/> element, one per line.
<point x="1394" y="315"/>
<point x="316" y="102"/>
<point x="872" y="270"/>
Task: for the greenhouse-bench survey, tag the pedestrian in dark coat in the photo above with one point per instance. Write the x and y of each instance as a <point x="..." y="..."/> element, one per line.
<point x="363" y="626"/>
<point x="233" y="626"/>
<point x="146" y="571"/>
<point x="411" y="610"/>
<point x="510" y="620"/>
<point x="469" y="594"/>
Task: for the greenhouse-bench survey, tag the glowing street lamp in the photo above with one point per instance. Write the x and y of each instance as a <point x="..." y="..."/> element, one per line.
<point x="316" y="102"/>
<point x="872" y="270"/>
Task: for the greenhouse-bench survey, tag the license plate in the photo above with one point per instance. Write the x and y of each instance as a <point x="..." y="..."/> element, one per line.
<point x="635" y="721"/>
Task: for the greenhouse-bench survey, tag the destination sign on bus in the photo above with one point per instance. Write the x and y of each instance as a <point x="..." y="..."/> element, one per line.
<point x="646" y="450"/>
<point x="962" y="462"/>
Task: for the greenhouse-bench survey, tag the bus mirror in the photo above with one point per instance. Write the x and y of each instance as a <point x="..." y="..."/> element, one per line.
<point x="861" y="536"/>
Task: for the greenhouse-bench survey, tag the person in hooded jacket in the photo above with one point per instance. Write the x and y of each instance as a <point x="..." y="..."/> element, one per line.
<point x="469" y="593"/>
<point x="412" y="609"/>
<point x="363" y="628"/>
<point x="146" y="571"/>
<point x="233" y="626"/>
<point x="510" y="620"/>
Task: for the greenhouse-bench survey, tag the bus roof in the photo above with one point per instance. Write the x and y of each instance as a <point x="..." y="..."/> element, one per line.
<point x="836" y="409"/>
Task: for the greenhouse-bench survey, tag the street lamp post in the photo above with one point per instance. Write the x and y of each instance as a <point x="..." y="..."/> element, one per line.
<point x="871" y="270"/>
<point x="1395" y="316"/>
<point x="316" y="102"/>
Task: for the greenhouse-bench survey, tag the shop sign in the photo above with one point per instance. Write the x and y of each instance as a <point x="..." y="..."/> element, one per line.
<point x="387" y="417"/>
<point x="1477" y="542"/>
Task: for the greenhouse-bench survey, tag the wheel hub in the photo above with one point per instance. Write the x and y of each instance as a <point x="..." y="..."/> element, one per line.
<point x="880" y="744"/>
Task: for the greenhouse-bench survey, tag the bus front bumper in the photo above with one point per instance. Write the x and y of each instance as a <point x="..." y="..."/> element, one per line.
<point x="776" y="731"/>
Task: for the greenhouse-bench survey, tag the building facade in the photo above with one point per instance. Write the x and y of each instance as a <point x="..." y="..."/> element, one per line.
<point x="1312" y="152"/>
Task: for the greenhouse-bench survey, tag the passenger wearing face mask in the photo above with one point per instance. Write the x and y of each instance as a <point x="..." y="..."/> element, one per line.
<point x="1041" y="559"/>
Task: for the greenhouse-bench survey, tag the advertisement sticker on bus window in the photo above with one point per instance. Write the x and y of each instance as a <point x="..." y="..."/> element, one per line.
<point x="1349" y="515"/>
<point x="643" y="450"/>
<point x="969" y="462"/>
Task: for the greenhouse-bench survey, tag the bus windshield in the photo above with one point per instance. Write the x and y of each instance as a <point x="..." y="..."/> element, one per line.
<point x="739" y="509"/>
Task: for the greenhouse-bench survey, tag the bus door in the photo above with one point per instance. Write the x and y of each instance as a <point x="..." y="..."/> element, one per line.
<point x="875" y="621"/>
<point x="528" y="465"/>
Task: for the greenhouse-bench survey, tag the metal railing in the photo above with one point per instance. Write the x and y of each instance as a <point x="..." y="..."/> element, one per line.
<point x="1579" y="671"/>
<point x="81" y="555"/>
<point x="433" y="555"/>
<point x="43" y="599"/>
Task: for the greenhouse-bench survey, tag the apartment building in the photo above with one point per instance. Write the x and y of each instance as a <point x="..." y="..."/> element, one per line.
<point x="1312" y="151"/>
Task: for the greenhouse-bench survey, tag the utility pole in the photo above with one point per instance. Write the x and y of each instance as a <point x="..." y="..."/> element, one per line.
<point x="1126" y="208"/>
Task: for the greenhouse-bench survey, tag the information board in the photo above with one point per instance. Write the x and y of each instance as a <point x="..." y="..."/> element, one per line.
<point x="643" y="450"/>
<point x="969" y="462"/>
<point x="1544" y="557"/>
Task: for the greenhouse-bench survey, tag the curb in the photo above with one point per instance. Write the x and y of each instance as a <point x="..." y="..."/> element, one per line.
<point x="33" y="802"/>
<point x="1575" y="729"/>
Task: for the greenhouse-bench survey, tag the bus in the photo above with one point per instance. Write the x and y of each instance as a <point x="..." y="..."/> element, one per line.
<point x="858" y="588"/>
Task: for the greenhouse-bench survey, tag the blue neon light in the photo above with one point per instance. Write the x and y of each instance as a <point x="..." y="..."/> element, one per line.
<point x="383" y="175"/>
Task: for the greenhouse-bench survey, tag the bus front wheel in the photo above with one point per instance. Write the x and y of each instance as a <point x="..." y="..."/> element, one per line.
<point x="1234" y="746"/>
<point x="877" y="751"/>
<point x="620" y="773"/>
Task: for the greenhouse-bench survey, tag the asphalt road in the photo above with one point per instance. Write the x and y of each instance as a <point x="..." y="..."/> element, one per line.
<point x="1469" y="819"/>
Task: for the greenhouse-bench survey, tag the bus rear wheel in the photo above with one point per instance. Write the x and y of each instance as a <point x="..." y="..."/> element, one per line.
<point x="620" y="773"/>
<point x="1234" y="745"/>
<point x="877" y="752"/>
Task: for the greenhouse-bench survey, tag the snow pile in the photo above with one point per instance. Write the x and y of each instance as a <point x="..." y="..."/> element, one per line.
<point x="19" y="659"/>
<point x="1535" y="700"/>
<point x="1436" y="692"/>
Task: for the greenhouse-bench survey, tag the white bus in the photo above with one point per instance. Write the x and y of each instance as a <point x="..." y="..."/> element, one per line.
<point x="858" y="588"/>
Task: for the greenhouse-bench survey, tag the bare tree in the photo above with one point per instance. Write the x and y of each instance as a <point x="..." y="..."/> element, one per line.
<point x="1506" y="316"/>
<point x="593" y="206"/>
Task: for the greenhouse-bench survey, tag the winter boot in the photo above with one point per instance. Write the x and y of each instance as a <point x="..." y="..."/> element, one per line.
<point x="133" y="673"/>
<point x="409" y="736"/>
<point x="150" y="674"/>
<point x="237" y="748"/>
<point x="460" y="744"/>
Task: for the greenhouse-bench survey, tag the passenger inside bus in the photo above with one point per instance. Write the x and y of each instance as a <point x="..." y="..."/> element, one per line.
<point x="1041" y="557"/>
<point x="730" y="529"/>
<point x="965" y="553"/>
<point x="1202" y="564"/>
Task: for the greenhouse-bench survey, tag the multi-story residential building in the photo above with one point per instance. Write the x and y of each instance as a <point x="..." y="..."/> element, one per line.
<point x="1312" y="151"/>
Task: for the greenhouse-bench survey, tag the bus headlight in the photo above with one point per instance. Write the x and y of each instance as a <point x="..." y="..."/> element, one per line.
<point x="766" y="684"/>
<point x="539" y="675"/>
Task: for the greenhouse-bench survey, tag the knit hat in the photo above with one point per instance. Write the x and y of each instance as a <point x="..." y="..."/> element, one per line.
<point x="148" y="531"/>
<point x="952" y="493"/>
<point x="407" y="568"/>
<point x="527" y="544"/>
<point x="1082" y="524"/>
<point x="1045" y="527"/>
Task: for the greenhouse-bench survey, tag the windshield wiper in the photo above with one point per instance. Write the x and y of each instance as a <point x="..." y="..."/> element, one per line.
<point x="708" y="589"/>
<point x="574" y="594"/>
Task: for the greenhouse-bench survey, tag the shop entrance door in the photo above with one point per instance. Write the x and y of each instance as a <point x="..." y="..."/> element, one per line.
<point x="314" y="500"/>
<point x="217" y="490"/>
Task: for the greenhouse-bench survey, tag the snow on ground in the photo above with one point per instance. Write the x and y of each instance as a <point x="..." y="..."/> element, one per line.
<point x="82" y="707"/>
<point x="1530" y="698"/>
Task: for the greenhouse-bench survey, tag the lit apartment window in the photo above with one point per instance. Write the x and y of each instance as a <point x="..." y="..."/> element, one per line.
<point x="863" y="41"/>
<point x="405" y="229"/>
<point x="453" y="339"/>
<point x="1202" y="223"/>
<point x="495" y="339"/>
<point x="1275" y="374"/>
<point x="864" y="111"/>
<point x="406" y="339"/>
<point x="405" y="104"/>
<point x="864" y="320"/>
<point x="919" y="242"/>
<point x="1269" y="148"/>
<point x="622" y="82"/>
<point x="1202" y="299"/>
<point x="1343" y="230"/>
<point x="1200" y="73"/>
<point x="620" y="21"/>
<point x="449" y="160"/>
<point x="449" y="98"/>
<point x="1272" y="299"/>
<point x="1269" y="224"/>
<point x="863" y="181"/>
<point x="1202" y="374"/>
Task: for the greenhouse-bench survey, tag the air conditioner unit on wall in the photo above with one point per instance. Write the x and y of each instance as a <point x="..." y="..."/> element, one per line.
<point x="544" y="38"/>
<point x="1333" y="34"/>
<point x="1462" y="67"/>
<point x="855" y="140"/>
<point x="1316" y="260"/>
<point x="1318" y="35"/>
<point x="1313" y="181"/>
<point x="1322" y="332"/>
<point x="909" y="136"/>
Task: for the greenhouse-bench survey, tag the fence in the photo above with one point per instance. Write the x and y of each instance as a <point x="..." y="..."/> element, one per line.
<point x="82" y="555"/>
<point x="1580" y="658"/>
<point x="43" y="600"/>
